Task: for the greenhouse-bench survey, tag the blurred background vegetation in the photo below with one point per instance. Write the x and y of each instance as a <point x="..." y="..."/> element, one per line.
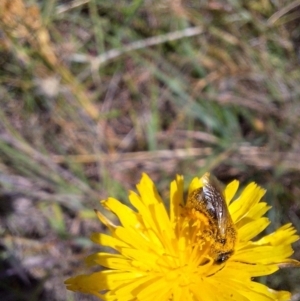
<point x="93" y="93"/>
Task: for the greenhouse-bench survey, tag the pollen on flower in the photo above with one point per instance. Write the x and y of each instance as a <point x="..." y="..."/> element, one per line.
<point x="203" y="249"/>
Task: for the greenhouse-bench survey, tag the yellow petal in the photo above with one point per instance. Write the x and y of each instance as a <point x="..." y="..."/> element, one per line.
<point x="127" y="216"/>
<point x="108" y="241"/>
<point x="113" y="261"/>
<point x="231" y="190"/>
<point x="246" y="270"/>
<point x="258" y="210"/>
<point x="147" y="191"/>
<point x="144" y="210"/>
<point x="248" y="199"/>
<point x="283" y="235"/>
<point x="253" y="228"/>
<point x="263" y="254"/>
<point x="195" y="184"/>
<point x="176" y="198"/>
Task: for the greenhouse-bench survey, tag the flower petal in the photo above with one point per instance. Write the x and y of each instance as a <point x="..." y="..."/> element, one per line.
<point x="176" y="200"/>
<point x="283" y="235"/>
<point x="253" y="228"/>
<point x="231" y="190"/>
<point x="108" y="241"/>
<point x="127" y="216"/>
<point x="251" y="195"/>
<point x="195" y="184"/>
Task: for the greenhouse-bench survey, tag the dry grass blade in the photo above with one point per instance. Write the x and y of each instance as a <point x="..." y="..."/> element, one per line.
<point x="96" y="62"/>
<point x="277" y="15"/>
<point x="63" y="8"/>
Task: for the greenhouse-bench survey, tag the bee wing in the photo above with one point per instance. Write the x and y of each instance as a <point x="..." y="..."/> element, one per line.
<point x="215" y="201"/>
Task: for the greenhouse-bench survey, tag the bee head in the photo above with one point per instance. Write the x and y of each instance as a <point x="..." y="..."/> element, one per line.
<point x="222" y="257"/>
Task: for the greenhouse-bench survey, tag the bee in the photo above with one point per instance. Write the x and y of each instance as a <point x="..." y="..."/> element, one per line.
<point x="210" y="202"/>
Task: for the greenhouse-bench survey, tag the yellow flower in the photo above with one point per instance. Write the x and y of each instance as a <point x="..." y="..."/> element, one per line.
<point x="172" y="256"/>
